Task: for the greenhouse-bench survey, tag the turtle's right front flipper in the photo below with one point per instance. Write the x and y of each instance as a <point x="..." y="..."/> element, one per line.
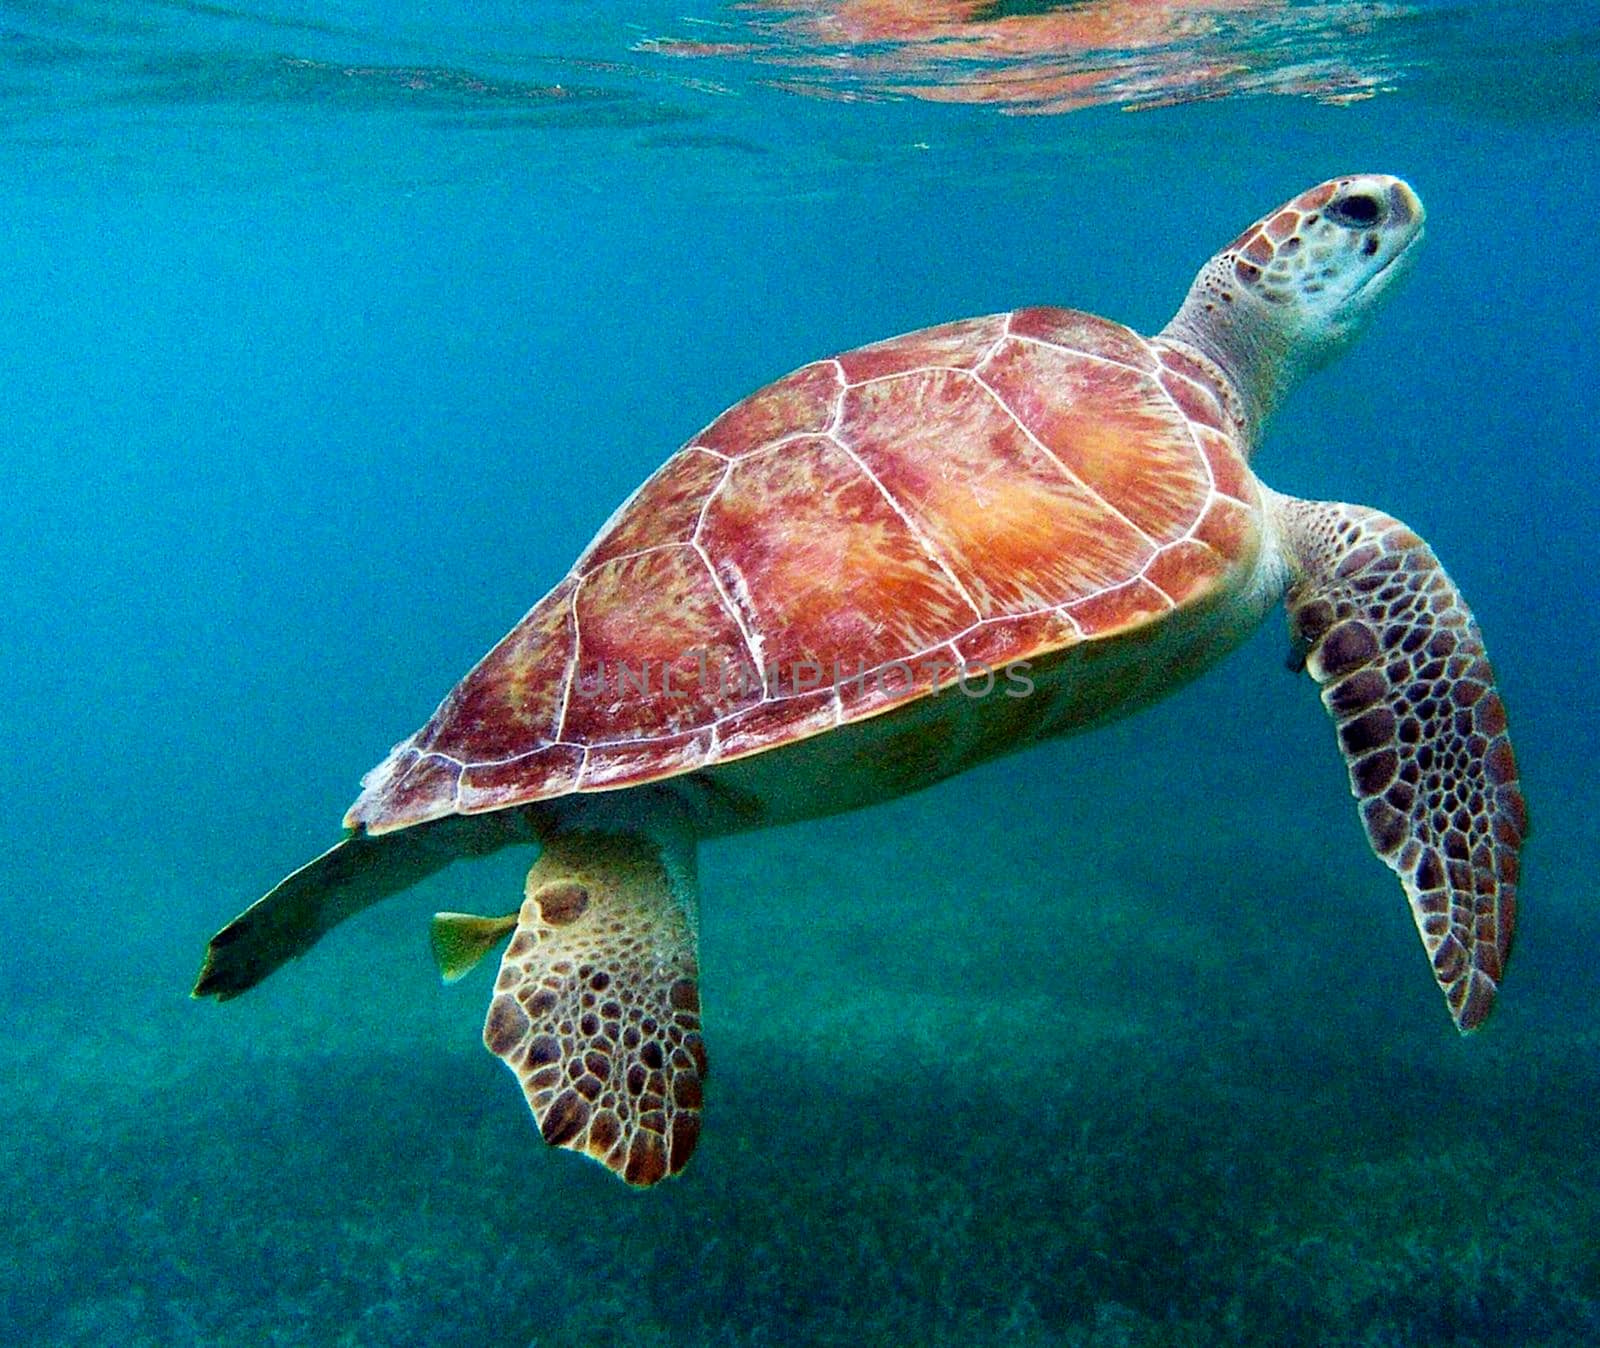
<point x="1404" y="673"/>
<point x="354" y="874"/>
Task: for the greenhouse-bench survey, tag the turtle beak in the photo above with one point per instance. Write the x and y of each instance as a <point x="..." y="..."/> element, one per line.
<point x="1405" y="206"/>
<point x="1406" y="216"/>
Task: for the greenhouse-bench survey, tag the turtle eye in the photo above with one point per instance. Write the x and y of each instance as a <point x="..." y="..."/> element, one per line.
<point x="1358" y="210"/>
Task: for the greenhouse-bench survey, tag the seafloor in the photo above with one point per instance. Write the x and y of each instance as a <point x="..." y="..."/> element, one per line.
<point x="1036" y="1058"/>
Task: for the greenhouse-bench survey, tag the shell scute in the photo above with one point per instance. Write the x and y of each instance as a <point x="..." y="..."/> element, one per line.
<point x="1086" y="334"/>
<point x="607" y="766"/>
<point x="408" y="787"/>
<point x="666" y="509"/>
<point x="773" y="721"/>
<point x="1225" y="528"/>
<point x="994" y="507"/>
<point x="788" y="526"/>
<point x="1186" y="570"/>
<point x="499" y="785"/>
<point x="995" y="644"/>
<point x="960" y="346"/>
<point x="1088" y="413"/>
<point x="1129" y="605"/>
<point x="649" y="625"/>
<point x="1229" y="474"/>
<point x="868" y="690"/>
<point x="1193" y="401"/>
<point x="801" y="403"/>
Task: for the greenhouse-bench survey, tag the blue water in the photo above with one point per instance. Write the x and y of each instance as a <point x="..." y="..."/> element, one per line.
<point x="331" y="334"/>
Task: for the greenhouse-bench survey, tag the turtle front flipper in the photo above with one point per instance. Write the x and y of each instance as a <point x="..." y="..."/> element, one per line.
<point x="1403" y="671"/>
<point x="597" y="1004"/>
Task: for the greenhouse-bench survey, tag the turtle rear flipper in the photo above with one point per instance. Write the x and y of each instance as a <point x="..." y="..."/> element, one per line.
<point x="1404" y="673"/>
<point x="351" y="875"/>
<point x="597" y="1004"/>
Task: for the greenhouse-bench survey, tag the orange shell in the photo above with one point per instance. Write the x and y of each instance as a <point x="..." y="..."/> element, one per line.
<point x="843" y="542"/>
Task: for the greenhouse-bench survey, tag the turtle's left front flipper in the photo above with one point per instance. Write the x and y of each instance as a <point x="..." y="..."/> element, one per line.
<point x="596" y="1007"/>
<point x="1403" y="671"/>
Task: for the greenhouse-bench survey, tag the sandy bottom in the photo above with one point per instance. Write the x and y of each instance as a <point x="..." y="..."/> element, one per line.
<point x="988" y="1066"/>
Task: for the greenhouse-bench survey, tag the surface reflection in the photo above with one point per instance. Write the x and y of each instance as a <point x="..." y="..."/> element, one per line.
<point x="1027" y="58"/>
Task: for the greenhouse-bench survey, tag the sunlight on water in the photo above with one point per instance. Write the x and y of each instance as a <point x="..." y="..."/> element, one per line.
<point x="74" y="73"/>
<point x="1044" y="58"/>
<point x="1052" y="59"/>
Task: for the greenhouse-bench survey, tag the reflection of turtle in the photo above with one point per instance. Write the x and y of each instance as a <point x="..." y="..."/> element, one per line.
<point x="886" y="568"/>
<point x="1045" y="56"/>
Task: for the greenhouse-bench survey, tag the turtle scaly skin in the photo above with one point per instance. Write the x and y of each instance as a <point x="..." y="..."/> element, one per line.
<point x="1404" y="673"/>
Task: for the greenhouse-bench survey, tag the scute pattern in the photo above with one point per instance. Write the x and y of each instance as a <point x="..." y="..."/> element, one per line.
<point x="1404" y="674"/>
<point x="1089" y="412"/>
<point x="1013" y="484"/>
<point x="641" y="620"/>
<point x="789" y="525"/>
<point x="1016" y="532"/>
<point x="665" y="510"/>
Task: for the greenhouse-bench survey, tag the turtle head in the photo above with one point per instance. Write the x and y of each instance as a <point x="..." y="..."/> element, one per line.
<point x="1293" y="290"/>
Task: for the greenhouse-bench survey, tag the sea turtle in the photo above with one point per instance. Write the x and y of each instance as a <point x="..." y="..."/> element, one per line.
<point x="889" y="566"/>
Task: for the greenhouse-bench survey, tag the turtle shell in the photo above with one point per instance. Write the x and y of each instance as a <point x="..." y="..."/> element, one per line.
<point x="830" y="548"/>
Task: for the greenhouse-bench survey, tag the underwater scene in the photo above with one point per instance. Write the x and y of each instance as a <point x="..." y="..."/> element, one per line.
<point x="332" y="334"/>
